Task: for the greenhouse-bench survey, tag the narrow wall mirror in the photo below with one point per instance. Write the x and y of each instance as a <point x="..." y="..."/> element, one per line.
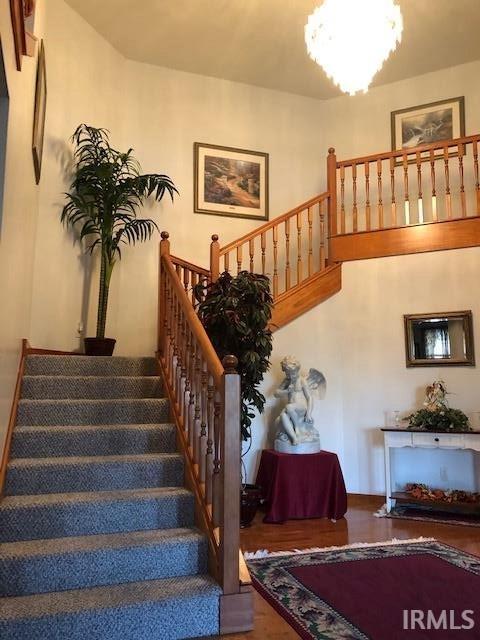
<point x="439" y="339"/>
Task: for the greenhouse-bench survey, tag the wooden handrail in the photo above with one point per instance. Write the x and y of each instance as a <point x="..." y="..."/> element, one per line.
<point x="386" y="155"/>
<point x="273" y="223"/>
<point x="190" y="266"/>
<point x="204" y="396"/>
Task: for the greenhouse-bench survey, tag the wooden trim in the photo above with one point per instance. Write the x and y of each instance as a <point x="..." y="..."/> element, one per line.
<point x="190" y="266"/>
<point x="420" y="238"/>
<point x="306" y="295"/>
<point x="236" y="611"/>
<point x="407" y="152"/>
<point x="31" y="351"/>
<point x="273" y="223"/>
<point x="332" y="192"/>
<point x="13" y="416"/>
<point x="18" y="27"/>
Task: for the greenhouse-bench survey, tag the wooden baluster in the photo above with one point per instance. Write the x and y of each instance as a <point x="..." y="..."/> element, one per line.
<point x="393" y="220"/>
<point x="287" y="254"/>
<point x="310" y="241"/>
<point x="202" y="469"/>
<point x="186" y="279"/>
<point x="195" y="279"/>
<point x="380" y="194"/>
<point x="448" y="197"/>
<point x="355" y="207"/>
<point x="463" y="201"/>
<point x="239" y="258"/>
<point x="197" y="412"/>
<point x="162" y="286"/>
<point x="321" y="212"/>
<point x="216" y="486"/>
<point x="275" y="262"/>
<point x="214" y="258"/>
<point x="174" y="366"/>
<point x="263" y="245"/>
<point x="187" y="384"/>
<point x="418" y="160"/>
<point x="299" y="248"/>
<point x="183" y="374"/>
<point x="342" y="200"/>
<point x="368" y="216"/>
<point x="178" y="269"/>
<point x="178" y="358"/>
<point x="210" y="435"/>
<point x="226" y="262"/>
<point x="191" y="399"/>
<point x="434" y="186"/>
<point x="475" y="171"/>
<point x="251" y="251"/>
<point x="405" y="186"/>
<point x="166" y="351"/>
<point x="332" y="192"/>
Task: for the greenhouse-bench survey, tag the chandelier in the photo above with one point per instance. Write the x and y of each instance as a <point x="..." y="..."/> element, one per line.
<point x="351" y="39"/>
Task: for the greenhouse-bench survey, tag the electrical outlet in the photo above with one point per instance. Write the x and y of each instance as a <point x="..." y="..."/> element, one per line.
<point x="443" y="473"/>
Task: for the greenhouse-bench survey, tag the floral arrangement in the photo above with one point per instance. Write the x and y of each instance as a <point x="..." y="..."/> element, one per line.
<point x="436" y="414"/>
<point x="423" y="492"/>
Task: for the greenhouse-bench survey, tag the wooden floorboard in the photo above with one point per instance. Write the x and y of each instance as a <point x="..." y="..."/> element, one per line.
<point x="359" y="525"/>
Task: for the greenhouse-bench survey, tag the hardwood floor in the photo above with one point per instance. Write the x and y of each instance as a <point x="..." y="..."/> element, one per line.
<point x="359" y="525"/>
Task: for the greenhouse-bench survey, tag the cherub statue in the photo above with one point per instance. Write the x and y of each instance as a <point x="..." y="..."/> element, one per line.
<point x="295" y="432"/>
<point x="435" y="399"/>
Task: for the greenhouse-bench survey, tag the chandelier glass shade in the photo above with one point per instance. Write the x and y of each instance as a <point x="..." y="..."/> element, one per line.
<point x="351" y="39"/>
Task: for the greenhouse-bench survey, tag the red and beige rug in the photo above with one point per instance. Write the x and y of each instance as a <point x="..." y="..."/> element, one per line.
<point x="369" y="591"/>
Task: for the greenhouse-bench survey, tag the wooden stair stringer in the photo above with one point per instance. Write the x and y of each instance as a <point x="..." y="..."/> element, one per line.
<point x="297" y="300"/>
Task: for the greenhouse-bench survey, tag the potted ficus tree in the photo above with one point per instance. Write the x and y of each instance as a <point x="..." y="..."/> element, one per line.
<point x="236" y="312"/>
<point x="106" y="193"/>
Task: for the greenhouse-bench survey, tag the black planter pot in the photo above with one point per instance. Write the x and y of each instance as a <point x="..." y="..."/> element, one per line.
<point x="99" y="346"/>
<point x="250" y="500"/>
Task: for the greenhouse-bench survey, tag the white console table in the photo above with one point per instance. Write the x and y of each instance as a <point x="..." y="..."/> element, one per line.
<point x="396" y="439"/>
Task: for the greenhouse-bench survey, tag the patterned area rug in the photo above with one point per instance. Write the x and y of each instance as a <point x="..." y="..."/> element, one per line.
<point x="361" y="592"/>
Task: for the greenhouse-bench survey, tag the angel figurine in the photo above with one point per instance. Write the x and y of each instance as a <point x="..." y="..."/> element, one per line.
<point x="295" y="432"/>
<point x="436" y="396"/>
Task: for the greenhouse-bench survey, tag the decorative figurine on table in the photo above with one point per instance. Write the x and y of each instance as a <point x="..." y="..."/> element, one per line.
<point x="436" y="414"/>
<point x="295" y="431"/>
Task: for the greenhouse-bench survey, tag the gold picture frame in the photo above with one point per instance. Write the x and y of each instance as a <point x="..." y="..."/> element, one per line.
<point x="414" y="127"/>
<point x="18" y="28"/>
<point x="230" y="182"/>
<point x="39" y="113"/>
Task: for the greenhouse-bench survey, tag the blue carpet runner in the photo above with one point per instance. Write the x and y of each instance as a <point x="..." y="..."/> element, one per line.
<point x="97" y="536"/>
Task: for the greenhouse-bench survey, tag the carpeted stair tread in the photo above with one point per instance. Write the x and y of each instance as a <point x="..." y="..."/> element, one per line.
<point x="92" y="440"/>
<point x="92" y="412"/>
<point x="42" y="566"/>
<point x="93" y="473"/>
<point x="32" y="517"/>
<point x="165" y="609"/>
<point x="90" y="366"/>
<point x="90" y="387"/>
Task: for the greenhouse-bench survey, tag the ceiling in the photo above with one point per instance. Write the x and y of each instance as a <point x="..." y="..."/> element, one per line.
<point x="260" y="42"/>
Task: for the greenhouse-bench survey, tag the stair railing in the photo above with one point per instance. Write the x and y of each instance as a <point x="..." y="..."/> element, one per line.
<point x="427" y="184"/>
<point x="204" y="395"/>
<point x="290" y="248"/>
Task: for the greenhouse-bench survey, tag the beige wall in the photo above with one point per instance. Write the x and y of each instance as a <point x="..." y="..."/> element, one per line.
<point x="18" y="223"/>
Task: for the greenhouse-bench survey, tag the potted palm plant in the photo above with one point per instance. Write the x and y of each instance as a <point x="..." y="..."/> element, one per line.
<point x="106" y="193"/>
<point x="236" y="313"/>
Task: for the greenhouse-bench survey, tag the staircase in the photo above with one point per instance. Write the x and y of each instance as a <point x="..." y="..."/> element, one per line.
<point x="97" y="536"/>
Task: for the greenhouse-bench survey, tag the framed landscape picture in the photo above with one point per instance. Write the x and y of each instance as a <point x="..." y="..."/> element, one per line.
<point x="428" y="123"/>
<point x="230" y="182"/>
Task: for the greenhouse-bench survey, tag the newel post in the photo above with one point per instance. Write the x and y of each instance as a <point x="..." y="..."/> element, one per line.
<point x="162" y="294"/>
<point x="214" y="258"/>
<point x="332" y="192"/>
<point x="230" y="469"/>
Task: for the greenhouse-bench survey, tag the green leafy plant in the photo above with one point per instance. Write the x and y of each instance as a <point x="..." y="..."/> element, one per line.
<point x="443" y="419"/>
<point x="236" y="311"/>
<point x="105" y="195"/>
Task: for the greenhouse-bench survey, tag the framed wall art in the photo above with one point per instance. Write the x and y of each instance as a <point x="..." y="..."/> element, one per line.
<point x="428" y="123"/>
<point x="230" y="182"/>
<point x="39" y="113"/>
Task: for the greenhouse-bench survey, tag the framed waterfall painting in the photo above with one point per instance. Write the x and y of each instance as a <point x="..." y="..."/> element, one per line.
<point x="428" y="123"/>
<point x="230" y="182"/>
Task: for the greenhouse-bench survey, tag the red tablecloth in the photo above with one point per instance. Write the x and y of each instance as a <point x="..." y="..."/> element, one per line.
<point x="301" y="486"/>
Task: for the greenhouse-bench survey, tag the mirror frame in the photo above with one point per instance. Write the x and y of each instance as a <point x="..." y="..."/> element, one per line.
<point x="467" y="318"/>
